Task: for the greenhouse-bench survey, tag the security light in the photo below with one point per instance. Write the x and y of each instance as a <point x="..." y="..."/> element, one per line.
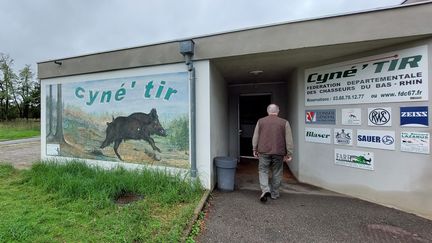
<point x="187" y="47"/>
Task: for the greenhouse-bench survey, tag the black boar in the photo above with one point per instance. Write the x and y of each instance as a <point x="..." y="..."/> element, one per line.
<point x="137" y="126"/>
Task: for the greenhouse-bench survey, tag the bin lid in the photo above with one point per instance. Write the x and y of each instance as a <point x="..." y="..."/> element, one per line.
<point x="225" y="162"/>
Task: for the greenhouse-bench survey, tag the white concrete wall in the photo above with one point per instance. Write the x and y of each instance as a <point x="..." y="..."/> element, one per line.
<point x="203" y="128"/>
<point x="400" y="179"/>
<point x="203" y="113"/>
<point x="218" y="117"/>
<point x="293" y="104"/>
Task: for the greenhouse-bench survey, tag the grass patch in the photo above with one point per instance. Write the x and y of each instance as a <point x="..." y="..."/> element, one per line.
<point x="75" y="203"/>
<point x="18" y="129"/>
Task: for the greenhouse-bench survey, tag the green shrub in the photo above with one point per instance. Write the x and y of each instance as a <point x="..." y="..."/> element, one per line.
<point x="179" y="133"/>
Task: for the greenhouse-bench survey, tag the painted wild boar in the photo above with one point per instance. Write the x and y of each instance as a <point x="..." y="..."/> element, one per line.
<point x="137" y="126"/>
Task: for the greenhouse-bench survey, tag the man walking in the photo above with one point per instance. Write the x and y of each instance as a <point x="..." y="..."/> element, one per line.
<point x="273" y="144"/>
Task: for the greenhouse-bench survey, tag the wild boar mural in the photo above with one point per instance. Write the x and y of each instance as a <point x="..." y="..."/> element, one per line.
<point x="136" y="126"/>
<point x="147" y="115"/>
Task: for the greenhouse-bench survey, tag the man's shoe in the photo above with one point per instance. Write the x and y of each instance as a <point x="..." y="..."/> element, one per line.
<point x="274" y="197"/>
<point x="264" y="196"/>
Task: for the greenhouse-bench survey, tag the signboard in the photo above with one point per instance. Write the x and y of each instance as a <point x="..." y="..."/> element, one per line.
<point x="415" y="142"/>
<point x="320" y="116"/>
<point x="356" y="159"/>
<point x="343" y="136"/>
<point x="131" y="119"/>
<point x="317" y="135"/>
<point x="351" y="116"/>
<point x="380" y="117"/>
<point x="398" y="76"/>
<point x="414" y="116"/>
<point x="376" y="139"/>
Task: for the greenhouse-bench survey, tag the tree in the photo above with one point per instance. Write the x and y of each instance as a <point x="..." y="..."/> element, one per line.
<point x="6" y="86"/>
<point x="35" y="100"/>
<point x="59" y="127"/>
<point x="26" y="89"/>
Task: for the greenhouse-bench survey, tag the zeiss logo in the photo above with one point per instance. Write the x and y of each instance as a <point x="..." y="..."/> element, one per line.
<point x="379" y="117"/>
<point x="414" y="116"/>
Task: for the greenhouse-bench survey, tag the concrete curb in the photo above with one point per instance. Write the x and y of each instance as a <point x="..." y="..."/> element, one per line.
<point x="198" y="209"/>
<point x="17" y="141"/>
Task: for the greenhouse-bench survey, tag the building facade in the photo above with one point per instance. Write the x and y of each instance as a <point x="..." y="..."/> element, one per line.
<point x="355" y="88"/>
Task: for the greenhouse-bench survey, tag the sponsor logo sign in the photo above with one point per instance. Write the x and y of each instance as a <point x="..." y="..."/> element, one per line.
<point x="317" y="135"/>
<point x="343" y="136"/>
<point x="351" y="116"/>
<point x="356" y="159"/>
<point x="414" y="116"/>
<point x="397" y="76"/>
<point x="379" y="117"/>
<point x="415" y="142"/>
<point x="320" y="116"/>
<point x="376" y="139"/>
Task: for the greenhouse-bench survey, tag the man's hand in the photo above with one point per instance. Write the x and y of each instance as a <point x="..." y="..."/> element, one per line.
<point x="287" y="158"/>
<point x="255" y="154"/>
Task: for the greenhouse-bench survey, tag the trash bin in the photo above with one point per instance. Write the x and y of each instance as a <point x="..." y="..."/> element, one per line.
<point x="225" y="169"/>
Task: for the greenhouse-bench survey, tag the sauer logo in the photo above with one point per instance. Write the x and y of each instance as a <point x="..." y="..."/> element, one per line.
<point x="379" y="116"/>
<point x="387" y="140"/>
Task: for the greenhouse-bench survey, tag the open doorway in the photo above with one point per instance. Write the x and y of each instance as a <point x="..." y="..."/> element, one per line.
<point x="252" y="107"/>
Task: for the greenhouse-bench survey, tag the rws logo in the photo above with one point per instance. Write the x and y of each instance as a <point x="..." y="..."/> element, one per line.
<point x="379" y="116"/>
<point x="414" y="116"/>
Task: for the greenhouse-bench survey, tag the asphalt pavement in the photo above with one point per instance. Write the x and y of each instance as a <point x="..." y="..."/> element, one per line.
<point x="302" y="217"/>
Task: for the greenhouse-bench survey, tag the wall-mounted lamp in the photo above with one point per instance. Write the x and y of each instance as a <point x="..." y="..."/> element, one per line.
<point x="58" y="63"/>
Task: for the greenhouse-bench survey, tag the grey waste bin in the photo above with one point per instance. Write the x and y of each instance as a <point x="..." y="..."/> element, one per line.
<point x="225" y="169"/>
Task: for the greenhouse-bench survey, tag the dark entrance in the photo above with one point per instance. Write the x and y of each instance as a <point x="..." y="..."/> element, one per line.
<point x="251" y="108"/>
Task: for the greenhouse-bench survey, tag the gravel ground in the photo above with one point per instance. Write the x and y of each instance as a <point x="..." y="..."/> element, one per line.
<point x="20" y="153"/>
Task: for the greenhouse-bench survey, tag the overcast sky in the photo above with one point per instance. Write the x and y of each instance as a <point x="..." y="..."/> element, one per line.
<point x="38" y="30"/>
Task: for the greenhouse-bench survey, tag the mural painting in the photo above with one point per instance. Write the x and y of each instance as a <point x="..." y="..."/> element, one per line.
<point x="143" y="120"/>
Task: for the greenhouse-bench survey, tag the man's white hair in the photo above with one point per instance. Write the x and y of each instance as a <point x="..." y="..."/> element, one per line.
<point x="272" y="108"/>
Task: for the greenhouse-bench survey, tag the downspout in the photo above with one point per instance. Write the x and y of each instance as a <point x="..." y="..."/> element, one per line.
<point x="187" y="50"/>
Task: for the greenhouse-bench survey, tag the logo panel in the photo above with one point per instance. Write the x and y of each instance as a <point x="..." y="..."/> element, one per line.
<point x="376" y="139"/>
<point x="414" y="116"/>
<point x="356" y="159"/>
<point x="317" y="135"/>
<point x="415" y="142"/>
<point x="379" y="117"/>
<point x="321" y="116"/>
<point x="351" y="116"/>
<point x="343" y="136"/>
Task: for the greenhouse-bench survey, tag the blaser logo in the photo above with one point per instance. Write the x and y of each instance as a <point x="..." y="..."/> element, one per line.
<point x="379" y="116"/>
<point x="316" y="135"/>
